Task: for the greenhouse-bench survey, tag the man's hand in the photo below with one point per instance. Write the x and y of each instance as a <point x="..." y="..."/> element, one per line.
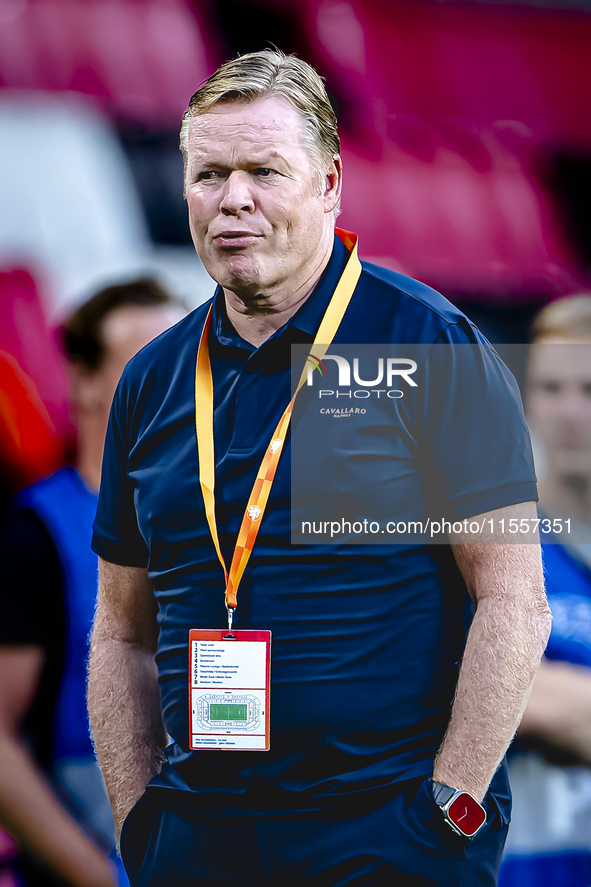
<point x="505" y="644"/>
<point x="123" y="692"/>
<point x="559" y="709"/>
<point x="29" y="809"/>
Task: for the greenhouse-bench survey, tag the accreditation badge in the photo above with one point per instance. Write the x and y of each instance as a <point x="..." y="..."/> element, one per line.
<point x="229" y="689"/>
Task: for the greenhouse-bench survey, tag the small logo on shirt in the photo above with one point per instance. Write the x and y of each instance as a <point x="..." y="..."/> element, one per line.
<point x="343" y="413"/>
<point x="254" y="512"/>
<point x="275" y="445"/>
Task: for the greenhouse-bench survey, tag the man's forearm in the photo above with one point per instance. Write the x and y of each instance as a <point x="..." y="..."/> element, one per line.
<point x="125" y="715"/>
<point x="503" y="651"/>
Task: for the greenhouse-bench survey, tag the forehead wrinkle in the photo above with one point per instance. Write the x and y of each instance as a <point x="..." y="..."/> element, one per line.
<point x="220" y="127"/>
<point x="246" y="148"/>
<point x="282" y="112"/>
<point x="232" y="154"/>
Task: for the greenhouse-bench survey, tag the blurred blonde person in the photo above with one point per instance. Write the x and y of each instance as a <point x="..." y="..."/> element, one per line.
<point x="549" y="843"/>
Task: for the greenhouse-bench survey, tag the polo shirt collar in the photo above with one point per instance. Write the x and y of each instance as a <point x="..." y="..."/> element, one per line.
<point x="307" y="319"/>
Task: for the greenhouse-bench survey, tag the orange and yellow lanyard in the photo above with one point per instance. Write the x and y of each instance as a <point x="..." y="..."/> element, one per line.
<point x="259" y="495"/>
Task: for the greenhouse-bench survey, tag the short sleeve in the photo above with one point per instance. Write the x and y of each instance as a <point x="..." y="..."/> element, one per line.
<point x="116" y="535"/>
<point x="475" y="447"/>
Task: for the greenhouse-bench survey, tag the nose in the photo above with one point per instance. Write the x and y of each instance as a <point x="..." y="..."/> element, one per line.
<point x="237" y="194"/>
<point x="573" y="406"/>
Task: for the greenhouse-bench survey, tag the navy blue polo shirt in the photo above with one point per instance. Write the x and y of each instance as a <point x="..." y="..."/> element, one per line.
<point x="366" y="639"/>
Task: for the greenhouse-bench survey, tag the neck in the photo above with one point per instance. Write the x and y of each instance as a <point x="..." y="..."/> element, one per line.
<point x="89" y="459"/>
<point x="568" y="495"/>
<point x="259" y="317"/>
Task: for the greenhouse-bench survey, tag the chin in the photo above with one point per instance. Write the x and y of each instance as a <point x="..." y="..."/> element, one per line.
<point x="241" y="284"/>
<point x="235" y="272"/>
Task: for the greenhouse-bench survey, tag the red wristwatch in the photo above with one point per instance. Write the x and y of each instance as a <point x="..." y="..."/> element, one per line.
<point x="460" y="810"/>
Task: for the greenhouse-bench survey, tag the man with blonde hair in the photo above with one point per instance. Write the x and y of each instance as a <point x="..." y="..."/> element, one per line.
<point x="360" y="775"/>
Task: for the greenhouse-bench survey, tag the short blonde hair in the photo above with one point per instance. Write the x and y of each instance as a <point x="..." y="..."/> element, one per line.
<point x="568" y="318"/>
<point x="271" y="73"/>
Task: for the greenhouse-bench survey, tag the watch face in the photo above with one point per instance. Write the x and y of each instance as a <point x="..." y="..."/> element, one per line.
<point x="467" y="814"/>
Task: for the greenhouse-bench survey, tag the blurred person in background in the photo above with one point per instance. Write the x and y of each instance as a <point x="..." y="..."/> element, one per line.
<point x="549" y="843"/>
<point x="52" y="797"/>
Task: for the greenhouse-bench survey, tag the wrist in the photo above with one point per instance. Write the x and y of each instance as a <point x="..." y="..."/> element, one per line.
<point x="460" y="781"/>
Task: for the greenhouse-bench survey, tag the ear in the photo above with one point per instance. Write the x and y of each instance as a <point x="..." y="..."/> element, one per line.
<point x="333" y="181"/>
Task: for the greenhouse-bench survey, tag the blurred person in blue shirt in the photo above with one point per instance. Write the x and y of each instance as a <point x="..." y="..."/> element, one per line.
<point x="549" y="843"/>
<point x="52" y="796"/>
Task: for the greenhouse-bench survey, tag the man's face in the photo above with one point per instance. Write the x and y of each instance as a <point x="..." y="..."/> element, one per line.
<point x="559" y="404"/>
<point x="125" y="331"/>
<point x="257" y="211"/>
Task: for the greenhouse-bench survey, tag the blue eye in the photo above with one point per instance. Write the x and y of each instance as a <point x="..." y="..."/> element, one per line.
<point x="264" y="172"/>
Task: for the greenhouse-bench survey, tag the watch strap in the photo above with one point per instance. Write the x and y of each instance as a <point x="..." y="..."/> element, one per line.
<point x="442" y="793"/>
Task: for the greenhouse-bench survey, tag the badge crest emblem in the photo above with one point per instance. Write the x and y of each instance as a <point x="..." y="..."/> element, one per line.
<point x="274" y="445"/>
<point x="254" y="512"/>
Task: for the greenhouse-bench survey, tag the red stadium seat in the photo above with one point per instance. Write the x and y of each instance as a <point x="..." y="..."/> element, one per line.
<point x="142" y="58"/>
<point x="444" y="106"/>
<point x="475" y="61"/>
<point x="472" y="231"/>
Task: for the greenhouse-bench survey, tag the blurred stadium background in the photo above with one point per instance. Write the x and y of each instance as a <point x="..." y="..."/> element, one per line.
<point x="466" y="141"/>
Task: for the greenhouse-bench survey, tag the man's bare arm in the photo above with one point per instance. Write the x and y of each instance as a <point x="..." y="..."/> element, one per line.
<point x="29" y="808"/>
<point x="123" y="692"/>
<point x="503" y="651"/>
<point x="559" y="709"/>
